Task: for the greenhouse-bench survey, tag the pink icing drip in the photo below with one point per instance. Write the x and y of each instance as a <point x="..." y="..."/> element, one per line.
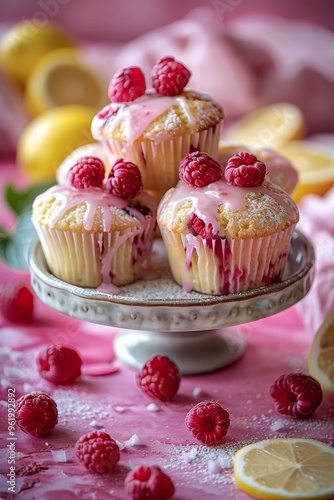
<point x="138" y="115"/>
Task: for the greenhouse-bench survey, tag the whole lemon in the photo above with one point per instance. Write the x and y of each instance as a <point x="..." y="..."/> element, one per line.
<point x="23" y="45"/>
<point x="50" y="137"/>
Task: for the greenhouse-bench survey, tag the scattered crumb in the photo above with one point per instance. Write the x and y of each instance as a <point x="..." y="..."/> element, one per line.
<point x="59" y="455"/>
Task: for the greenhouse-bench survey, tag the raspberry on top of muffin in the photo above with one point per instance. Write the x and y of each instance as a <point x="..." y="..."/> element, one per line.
<point x="226" y="230"/>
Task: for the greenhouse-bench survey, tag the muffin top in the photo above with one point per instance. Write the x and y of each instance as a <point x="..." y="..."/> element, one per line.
<point x="65" y="208"/>
<point x="221" y="209"/>
<point x="156" y="117"/>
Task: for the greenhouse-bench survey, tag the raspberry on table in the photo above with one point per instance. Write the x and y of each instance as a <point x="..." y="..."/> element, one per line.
<point x="16" y="302"/>
<point x="149" y="483"/>
<point x="198" y="169"/>
<point x="197" y="227"/>
<point x="124" y="179"/>
<point x="159" y="378"/>
<point x="127" y="85"/>
<point x="296" y="394"/>
<point x="59" y="364"/>
<point x="87" y="172"/>
<point x="36" y="413"/>
<point x="208" y="422"/>
<point x="245" y="170"/>
<point x="169" y="77"/>
<point x="97" y="451"/>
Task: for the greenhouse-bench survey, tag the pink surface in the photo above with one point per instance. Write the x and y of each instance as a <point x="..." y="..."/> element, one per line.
<point x="275" y="346"/>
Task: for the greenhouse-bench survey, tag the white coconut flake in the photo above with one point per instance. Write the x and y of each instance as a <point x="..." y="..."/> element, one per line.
<point x="59" y="455"/>
<point x="226" y="462"/>
<point x="276" y="426"/>
<point x="213" y="467"/>
<point x="120" y="409"/>
<point x="12" y="372"/>
<point x="197" y="391"/>
<point x="96" y="424"/>
<point x="120" y="445"/>
<point x="189" y="456"/>
<point x="133" y="441"/>
<point x="153" y="407"/>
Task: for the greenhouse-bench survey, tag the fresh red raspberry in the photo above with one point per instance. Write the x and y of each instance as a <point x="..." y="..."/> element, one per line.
<point x="208" y="422"/>
<point x="197" y="226"/>
<point x="296" y="394"/>
<point x="98" y="451"/>
<point x="245" y="170"/>
<point x="16" y="302"/>
<point x="198" y="169"/>
<point x="169" y="77"/>
<point x="124" y="179"/>
<point x="59" y="364"/>
<point x="36" y="413"/>
<point x="159" y="378"/>
<point x="127" y="85"/>
<point x="149" y="483"/>
<point x="87" y="172"/>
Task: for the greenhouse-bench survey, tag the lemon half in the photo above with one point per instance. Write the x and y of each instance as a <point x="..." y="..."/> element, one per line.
<point x="286" y="468"/>
<point x="321" y="357"/>
<point x="62" y="78"/>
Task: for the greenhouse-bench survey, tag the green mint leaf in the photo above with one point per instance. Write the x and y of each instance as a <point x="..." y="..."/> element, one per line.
<point x="19" y="200"/>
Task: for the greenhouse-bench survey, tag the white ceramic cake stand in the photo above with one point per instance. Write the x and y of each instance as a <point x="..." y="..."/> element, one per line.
<point x="158" y="317"/>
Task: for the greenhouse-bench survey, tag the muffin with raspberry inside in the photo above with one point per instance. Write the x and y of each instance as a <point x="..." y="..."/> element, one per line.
<point x="227" y="229"/>
<point x="156" y="125"/>
<point x="97" y="229"/>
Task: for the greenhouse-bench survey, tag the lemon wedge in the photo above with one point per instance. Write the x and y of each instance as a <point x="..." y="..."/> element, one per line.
<point x="50" y="137"/>
<point x="61" y="78"/>
<point x="315" y="165"/>
<point x="286" y="468"/>
<point x="321" y="357"/>
<point x="23" y="45"/>
<point x="270" y="126"/>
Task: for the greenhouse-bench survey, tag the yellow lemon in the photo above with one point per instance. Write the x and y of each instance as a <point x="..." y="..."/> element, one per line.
<point x="49" y="138"/>
<point x="321" y="357"/>
<point x="269" y="126"/>
<point x="61" y="78"/>
<point x="315" y="165"/>
<point x="25" y="43"/>
<point x="286" y="468"/>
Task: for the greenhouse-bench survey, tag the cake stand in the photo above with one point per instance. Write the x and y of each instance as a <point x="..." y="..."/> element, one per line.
<point x="157" y="317"/>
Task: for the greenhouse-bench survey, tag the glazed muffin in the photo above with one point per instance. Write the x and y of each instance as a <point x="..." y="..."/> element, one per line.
<point x="226" y="231"/>
<point x="279" y="169"/>
<point x="96" y="233"/>
<point x="156" y="128"/>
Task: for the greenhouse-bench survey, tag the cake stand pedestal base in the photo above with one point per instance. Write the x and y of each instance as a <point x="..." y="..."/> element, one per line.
<point x="201" y="352"/>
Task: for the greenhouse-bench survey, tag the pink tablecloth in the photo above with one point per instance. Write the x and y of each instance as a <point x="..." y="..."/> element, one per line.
<point x="275" y="345"/>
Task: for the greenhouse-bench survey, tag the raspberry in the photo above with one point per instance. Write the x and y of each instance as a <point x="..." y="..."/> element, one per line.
<point x="127" y="85"/>
<point x="296" y="394"/>
<point x="149" y="483"/>
<point x="245" y="170"/>
<point x="169" y="77"/>
<point x="98" y="451"/>
<point x="197" y="226"/>
<point x="16" y="302"/>
<point x="36" y="413"/>
<point x="124" y="179"/>
<point x="159" y="378"/>
<point x="87" y="172"/>
<point x="198" y="169"/>
<point x="208" y="422"/>
<point x="59" y="364"/>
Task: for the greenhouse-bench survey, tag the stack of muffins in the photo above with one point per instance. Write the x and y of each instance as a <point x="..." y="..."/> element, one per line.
<point x="225" y="220"/>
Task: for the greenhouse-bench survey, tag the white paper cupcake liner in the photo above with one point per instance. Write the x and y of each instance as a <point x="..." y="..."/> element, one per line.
<point x="225" y="266"/>
<point x="159" y="162"/>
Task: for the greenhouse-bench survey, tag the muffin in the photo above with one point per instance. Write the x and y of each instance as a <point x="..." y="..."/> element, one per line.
<point x="279" y="169"/>
<point x="155" y="128"/>
<point x="97" y="233"/>
<point x="226" y="231"/>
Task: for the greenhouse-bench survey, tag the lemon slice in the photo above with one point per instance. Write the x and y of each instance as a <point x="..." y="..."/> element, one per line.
<point x="270" y="126"/>
<point x="25" y="43"/>
<point x="286" y="468"/>
<point x="50" y="137"/>
<point x="315" y="165"/>
<point x="321" y="357"/>
<point x="61" y="78"/>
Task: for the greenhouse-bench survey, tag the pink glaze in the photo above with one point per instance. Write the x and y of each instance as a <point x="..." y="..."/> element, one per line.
<point x="137" y="116"/>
